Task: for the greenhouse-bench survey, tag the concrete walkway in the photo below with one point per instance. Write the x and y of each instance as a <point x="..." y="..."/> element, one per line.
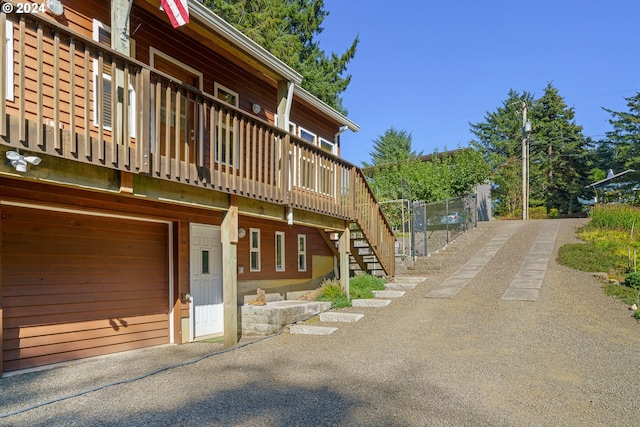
<point x="454" y="284"/>
<point x="527" y="283"/>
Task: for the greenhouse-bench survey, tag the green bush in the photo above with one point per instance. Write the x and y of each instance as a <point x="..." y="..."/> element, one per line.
<point x="332" y="291"/>
<point x="553" y="213"/>
<point x="539" y="212"/>
<point x="633" y="280"/>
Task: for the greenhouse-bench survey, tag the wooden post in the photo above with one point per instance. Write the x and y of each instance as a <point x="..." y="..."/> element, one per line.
<point x="344" y="244"/>
<point x="229" y="237"/>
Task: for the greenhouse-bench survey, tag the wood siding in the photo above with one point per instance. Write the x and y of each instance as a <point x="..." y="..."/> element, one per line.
<point x="217" y="146"/>
<point x="315" y="246"/>
<point x="77" y="285"/>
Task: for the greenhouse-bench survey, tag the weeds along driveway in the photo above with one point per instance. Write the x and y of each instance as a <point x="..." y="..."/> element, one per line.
<point x="570" y="358"/>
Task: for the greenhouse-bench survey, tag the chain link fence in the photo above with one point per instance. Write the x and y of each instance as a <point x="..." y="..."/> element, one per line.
<point x="421" y="228"/>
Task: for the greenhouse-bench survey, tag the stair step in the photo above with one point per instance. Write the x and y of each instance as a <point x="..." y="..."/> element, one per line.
<point x="337" y="317"/>
<point x="370" y="302"/>
<point x="311" y="330"/>
<point x="412" y="279"/>
<point x="401" y="286"/>
<point x="388" y="294"/>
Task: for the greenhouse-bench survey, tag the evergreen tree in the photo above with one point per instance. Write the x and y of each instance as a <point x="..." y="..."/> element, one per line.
<point x="558" y="154"/>
<point x="625" y="136"/>
<point x="289" y="29"/>
<point x="394" y="146"/>
<point x="499" y="140"/>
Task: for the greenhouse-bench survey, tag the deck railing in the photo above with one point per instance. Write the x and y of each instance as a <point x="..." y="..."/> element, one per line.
<point x="68" y="99"/>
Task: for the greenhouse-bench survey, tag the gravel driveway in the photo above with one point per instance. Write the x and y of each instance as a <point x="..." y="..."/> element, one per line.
<point x="570" y="358"/>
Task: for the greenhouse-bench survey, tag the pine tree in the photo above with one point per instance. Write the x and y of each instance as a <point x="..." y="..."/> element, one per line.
<point x="289" y="30"/>
<point x="625" y="136"/>
<point x="559" y="155"/>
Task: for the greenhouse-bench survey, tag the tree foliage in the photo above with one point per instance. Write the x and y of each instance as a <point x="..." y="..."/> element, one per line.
<point x="398" y="172"/>
<point x="289" y="29"/>
<point x="558" y="153"/>
<point x="393" y="146"/>
<point x="624" y="140"/>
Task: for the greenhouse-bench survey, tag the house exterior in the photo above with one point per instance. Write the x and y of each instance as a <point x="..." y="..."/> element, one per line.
<point x="152" y="177"/>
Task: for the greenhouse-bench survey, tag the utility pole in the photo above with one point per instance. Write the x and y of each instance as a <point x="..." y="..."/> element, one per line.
<point x="526" y="128"/>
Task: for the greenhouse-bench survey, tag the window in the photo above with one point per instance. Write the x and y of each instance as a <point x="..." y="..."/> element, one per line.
<point x="306" y="135"/>
<point x="9" y="50"/>
<point x="205" y="261"/>
<point x="279" y="250"/>
<point x="226" y="94"/>
<point x="292" y="128"/>
<point x="230" y="97"/>
<point x="327" y="145"/>
<point x="302" y="252"/>
<point x="254" y="249"/>
<point x="102" y="34"/>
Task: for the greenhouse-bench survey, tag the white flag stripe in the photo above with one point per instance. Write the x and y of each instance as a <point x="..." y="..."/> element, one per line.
<point x="177" y="11"/>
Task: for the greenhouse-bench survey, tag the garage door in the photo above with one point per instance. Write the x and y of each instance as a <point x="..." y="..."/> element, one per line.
<point x="76" y="286"/>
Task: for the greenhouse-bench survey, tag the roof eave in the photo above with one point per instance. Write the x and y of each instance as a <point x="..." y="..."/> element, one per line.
<point x="242" y="42"/>
<point x="326" y="109"/>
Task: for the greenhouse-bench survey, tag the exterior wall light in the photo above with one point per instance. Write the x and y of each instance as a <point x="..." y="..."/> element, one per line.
<point x="19" y="161"/>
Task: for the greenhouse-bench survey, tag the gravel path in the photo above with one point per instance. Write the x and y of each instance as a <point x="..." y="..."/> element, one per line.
<point x="571" y="358"/>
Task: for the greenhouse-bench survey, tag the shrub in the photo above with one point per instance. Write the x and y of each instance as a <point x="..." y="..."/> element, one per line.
<point x="553" y="213"/>
<point x="539" y="212"/>
<point x="332" y="291"/>
<point x="633" y="280"/>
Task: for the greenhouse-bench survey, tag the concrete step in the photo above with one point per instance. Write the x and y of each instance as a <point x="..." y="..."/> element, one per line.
<point x="370" y="302"/>
<point x="311" y="330"/>
<point x="412" y="279"/>
<point x="338" y="317"/>
<point x="388" y="294"/>
<point x="401" y="286"/>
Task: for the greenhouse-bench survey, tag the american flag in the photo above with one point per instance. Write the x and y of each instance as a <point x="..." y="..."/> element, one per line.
<point x="177" y="11"/>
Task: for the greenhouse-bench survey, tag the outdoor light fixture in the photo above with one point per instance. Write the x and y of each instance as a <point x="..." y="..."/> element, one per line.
<point x="256" y="108"/>
<point x="242" y="232"/>
<point x="55" y="7"/>
<point x="19" y="161"/>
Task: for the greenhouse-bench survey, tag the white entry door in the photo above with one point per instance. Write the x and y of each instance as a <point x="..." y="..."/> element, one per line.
<point x="206" y="280"/>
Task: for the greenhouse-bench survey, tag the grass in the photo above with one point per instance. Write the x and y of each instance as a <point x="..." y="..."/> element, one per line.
<point x="611" y="240"/>
<point x="360" y="287"/>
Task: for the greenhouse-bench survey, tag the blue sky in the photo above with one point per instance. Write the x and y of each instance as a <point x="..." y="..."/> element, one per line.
<point x="432" y="66"/>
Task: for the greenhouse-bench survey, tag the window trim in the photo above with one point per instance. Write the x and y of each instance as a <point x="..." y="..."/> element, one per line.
<point x="97" y="26"/>
<point x="254" y="250"/>
<point x="315" y="137"/>
<point x="322" y="140"/>
<point x="303" y="252"/>
<point x="9" y="93"/>
<point x="217" y="86"/>
<point x="281" y="248"/>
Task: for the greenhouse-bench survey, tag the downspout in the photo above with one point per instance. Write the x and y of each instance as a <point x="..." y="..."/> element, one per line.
<point x="336" y="137"/>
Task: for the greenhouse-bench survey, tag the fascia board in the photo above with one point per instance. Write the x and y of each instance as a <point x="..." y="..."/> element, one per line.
<point x="324" y="108"/>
